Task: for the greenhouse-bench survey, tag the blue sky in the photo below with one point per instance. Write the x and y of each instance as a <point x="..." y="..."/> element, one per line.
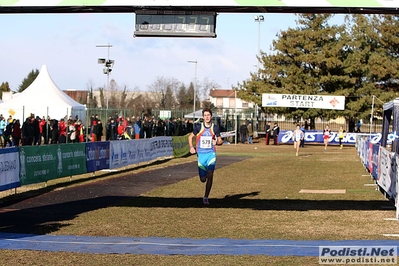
<point x="66" y="43"/>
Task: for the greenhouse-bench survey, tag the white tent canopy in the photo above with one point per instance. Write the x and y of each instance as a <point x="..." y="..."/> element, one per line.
<point x="43" y="98"/>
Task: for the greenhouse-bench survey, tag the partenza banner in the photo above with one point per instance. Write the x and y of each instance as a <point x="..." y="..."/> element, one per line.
<point x="304" y="101"/>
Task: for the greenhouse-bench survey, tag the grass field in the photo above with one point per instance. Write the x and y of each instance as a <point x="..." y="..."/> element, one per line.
<point x="258" y="198"/>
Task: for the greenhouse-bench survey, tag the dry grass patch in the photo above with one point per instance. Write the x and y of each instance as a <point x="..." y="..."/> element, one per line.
<point x="256" y="199"/>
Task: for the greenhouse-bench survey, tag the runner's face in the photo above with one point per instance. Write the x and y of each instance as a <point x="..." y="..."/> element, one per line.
<point x="207" y="117"/>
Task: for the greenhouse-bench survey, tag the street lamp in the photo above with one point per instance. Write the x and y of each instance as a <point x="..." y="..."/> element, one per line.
<point x="108" y="65"/>
<point x="259" y="19"/>
<point x="195" y="85"/>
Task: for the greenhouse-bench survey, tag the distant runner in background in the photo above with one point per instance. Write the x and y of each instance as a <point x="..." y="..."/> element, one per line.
<point x="326" y="136"/>
<point x="297" y="137"/>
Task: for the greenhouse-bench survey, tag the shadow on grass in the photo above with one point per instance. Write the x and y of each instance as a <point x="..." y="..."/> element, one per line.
<point x="52" y="217"/>
<point x="239" y="202"/>
<point x="15" y="198"/>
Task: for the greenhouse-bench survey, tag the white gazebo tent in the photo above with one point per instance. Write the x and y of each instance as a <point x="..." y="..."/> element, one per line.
<point x="43" y="98"/>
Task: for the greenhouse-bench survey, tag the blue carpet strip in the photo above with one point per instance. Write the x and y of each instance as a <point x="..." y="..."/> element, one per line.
<point x="175" y="246"/>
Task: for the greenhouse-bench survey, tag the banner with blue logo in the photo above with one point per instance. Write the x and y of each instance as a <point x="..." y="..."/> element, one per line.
<point x="97" y="155"/>
<point x="9" y="168"/>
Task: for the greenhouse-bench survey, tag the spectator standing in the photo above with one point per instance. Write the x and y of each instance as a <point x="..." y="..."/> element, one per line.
<point x="268" y="132"/>
<point x="62" y="128"/>
<point x="250" y="133"/>
<point x="243" y="132"/>
<point x="276" y="132"/>
<point x="36" y="130"/>
<point x="46" y="131"/>
<point x="7" y="135"/>
<point x="16" y="133"/>
<point x="26" y="134"/>
<point x="71" y="131"/>
<point x="341" y="135"/>
<point x="54" y="131"/>
<point x="94" y="131"/>
<point x="303" y="139"/>
<point x="137" y="128"/>
<point x="113" y="129"/>
<point x="2" y="128"/>
<point x="99" y="132"/>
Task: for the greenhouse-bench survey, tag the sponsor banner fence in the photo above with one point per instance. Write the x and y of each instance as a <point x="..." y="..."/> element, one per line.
<point x="387" y="172"/>
<point x="97" y="155"/>
<point x="285" y="136"/>
<point x="43" y="163"/>
<point x="374" y="160"/>
<point x="9" y="169"/>
<point x="124" y="153"/>
<point x="180" y="146"/>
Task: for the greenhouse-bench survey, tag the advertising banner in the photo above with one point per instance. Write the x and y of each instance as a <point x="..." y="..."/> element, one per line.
<point x="127" y="152"/>
<point x="43" y="163"/>
<point x="397" y="189"/>
<point x="285" y="136"/>
<point x="374" y="160"/>
<point x="9" y="168"/>
<point x="386" y="171"/>
<point x="97" y="155"/>
<point x="180" y="146"/>
<point x="304" y="101"/>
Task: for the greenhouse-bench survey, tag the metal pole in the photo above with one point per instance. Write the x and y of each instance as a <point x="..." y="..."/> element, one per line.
<point x="257" y="68"/>
<point x="372" y="111"/>
<point x="195" y="85"/>
<point x="108" y="77"/>
<point x="236" y="116"/>
<point x="259" y="19"/>
<point x="107" y="67"/>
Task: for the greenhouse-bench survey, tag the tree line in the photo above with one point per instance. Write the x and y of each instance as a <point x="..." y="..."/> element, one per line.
<point x="357" y="59"/>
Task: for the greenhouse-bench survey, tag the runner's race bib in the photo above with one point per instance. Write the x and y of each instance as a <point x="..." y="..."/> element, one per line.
<point x="206" y="142"/>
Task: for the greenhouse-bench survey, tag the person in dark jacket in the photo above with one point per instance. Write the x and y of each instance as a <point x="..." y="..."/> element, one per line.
<point x="243" y="132"/>
<point x="276" y="131"/>
<point x="99" y="132"/>
<point x="16" y="133"/>
<point x="7" y="135"/>
<point x="54" y="131"/>
<point x="26" y="132"/>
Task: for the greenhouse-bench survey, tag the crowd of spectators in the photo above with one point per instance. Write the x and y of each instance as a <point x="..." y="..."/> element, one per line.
<point x="38" y="131"/>
<point x="119" y="127"/>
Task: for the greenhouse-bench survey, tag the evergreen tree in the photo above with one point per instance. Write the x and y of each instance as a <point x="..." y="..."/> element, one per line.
<point x="170" y="101"/>
<point x="4" y="87"/>
<point x="28" y="80"/>
<point x="356" y="60"/>
<point x="182" y="97"/>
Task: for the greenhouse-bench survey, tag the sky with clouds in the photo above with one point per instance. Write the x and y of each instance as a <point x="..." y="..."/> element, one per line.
<point x="66" y="44"/>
